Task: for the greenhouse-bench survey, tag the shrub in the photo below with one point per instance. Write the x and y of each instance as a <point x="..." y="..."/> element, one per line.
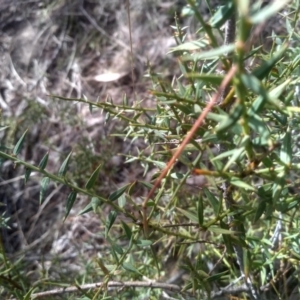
<point x="216" y="212"/>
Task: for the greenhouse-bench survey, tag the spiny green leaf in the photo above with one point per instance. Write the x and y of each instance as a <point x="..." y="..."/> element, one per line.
<point x="211" y="54"/>
<point x="91" y="182"/>
<point x="63" y="169"/>
<point x="188" y="46"/>
<point x="268" y="11"/>
<point x="217" y="276"/>
<point x="188" y="214"/>
<point x="92" y="206"/>
<point x="144" y="243"/>
<point x="27" y="174"/>
<point x="129" y="267"/>
<point x="18" y="146"/>
<point x="96" y="202"/>
<point x="44" y="161"/>
<point x="127" y="230"/>
<point x="286" y="149"/>
<point x="200" y="210"/>
<point x="70" y="201"/>
<point x="118" y="249"/>
<point x="279" y="89"/>
<point x="257" y="106"/>
<point x="259" y="211"/>
<point x="116" y="194"/>
<point x="237" y="154"/>
<point x="111" y="218"/>
<point x="266" y="67"/>
<point x="87" y="209"/>
<point x="231" y="119"/>
<point x="219" y="230"/>
<point x="209" y="78"/>
<point x="239" y="183"/>
<point x="212" y="200"/>
<point x="260" y="128"/>
<point x="122" y="200"/>
<point x="247" y="262"/>
<point x="43" y="188"/>
<point x="222" y="15"/>
<point x="223" y="155"/>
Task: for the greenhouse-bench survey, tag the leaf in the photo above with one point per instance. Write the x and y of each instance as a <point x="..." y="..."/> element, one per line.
<point x="268" y="11"/>
<point x="63" y="169"/>
<point x="118" y="249"/>
<point x="268" y="163"/>
<point x="261" y="208"/>
<point x="177" y="175"/>
<point x="91" y="182"/>
<point x="127" y="230"/>
<point x="286" y="149"/>
<point x="266" y="67"/>
<point x="102" y="267"/>
<point x="70" y="201"/>
<point x="239" y="183"/>
<point x="18" y="146"/>
<point x="252" y="83"/>
<point x="122" y="201"/>
<point x="209" y="78"/>
<point x="238" y="153"/>
<point x="129" y="267"/>
<point x="222" y="15"/>
<point x="96" y="202"/>
<point x="279" y="89"/>
<point x="214" y="202"/>
<point x="257" y="106"/>
<point x="27" y="174"/>
<point x="223" y="155"/>
<point x="282" y="119"/>
<point x="211" y="54"/>
<point x="44" y="161"/>
<point x="246" y="262"/>
<point x="116" y="194"/>
<point x="44" y="185"/>
<point x="200" y="210"/>
<point x="259" y="127"/>
<point x="92" y="206"/>
<point x="111" y="218"/>
<point x="188" y="214"/>
<point x="231" y="119"/>
<point x="217" y="276"/>
<point x="87" y="209"/>
<point x="144" y="243"/>
<point x="91" y="108"/>
<point x="188" y="46"/>
<point x="219" y="230"/>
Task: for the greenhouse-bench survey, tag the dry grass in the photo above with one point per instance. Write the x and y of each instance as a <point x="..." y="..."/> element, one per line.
<point x="71" y="49"/>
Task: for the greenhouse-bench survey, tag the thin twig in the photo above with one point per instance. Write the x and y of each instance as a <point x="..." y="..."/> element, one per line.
<point x="111" y="284"/>
<point x="230" y="290"/>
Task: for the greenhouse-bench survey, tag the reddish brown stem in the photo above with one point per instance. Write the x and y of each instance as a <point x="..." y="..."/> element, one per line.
<point x="188" y="137"/>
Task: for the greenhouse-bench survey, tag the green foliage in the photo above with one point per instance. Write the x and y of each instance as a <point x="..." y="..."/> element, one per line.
<point x="197" y="230"/>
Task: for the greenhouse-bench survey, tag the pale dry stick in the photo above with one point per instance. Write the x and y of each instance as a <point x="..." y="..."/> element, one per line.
<point x="188" y="137"/>
<point x="133" y="284"/>
<point x="111" y="284"/>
